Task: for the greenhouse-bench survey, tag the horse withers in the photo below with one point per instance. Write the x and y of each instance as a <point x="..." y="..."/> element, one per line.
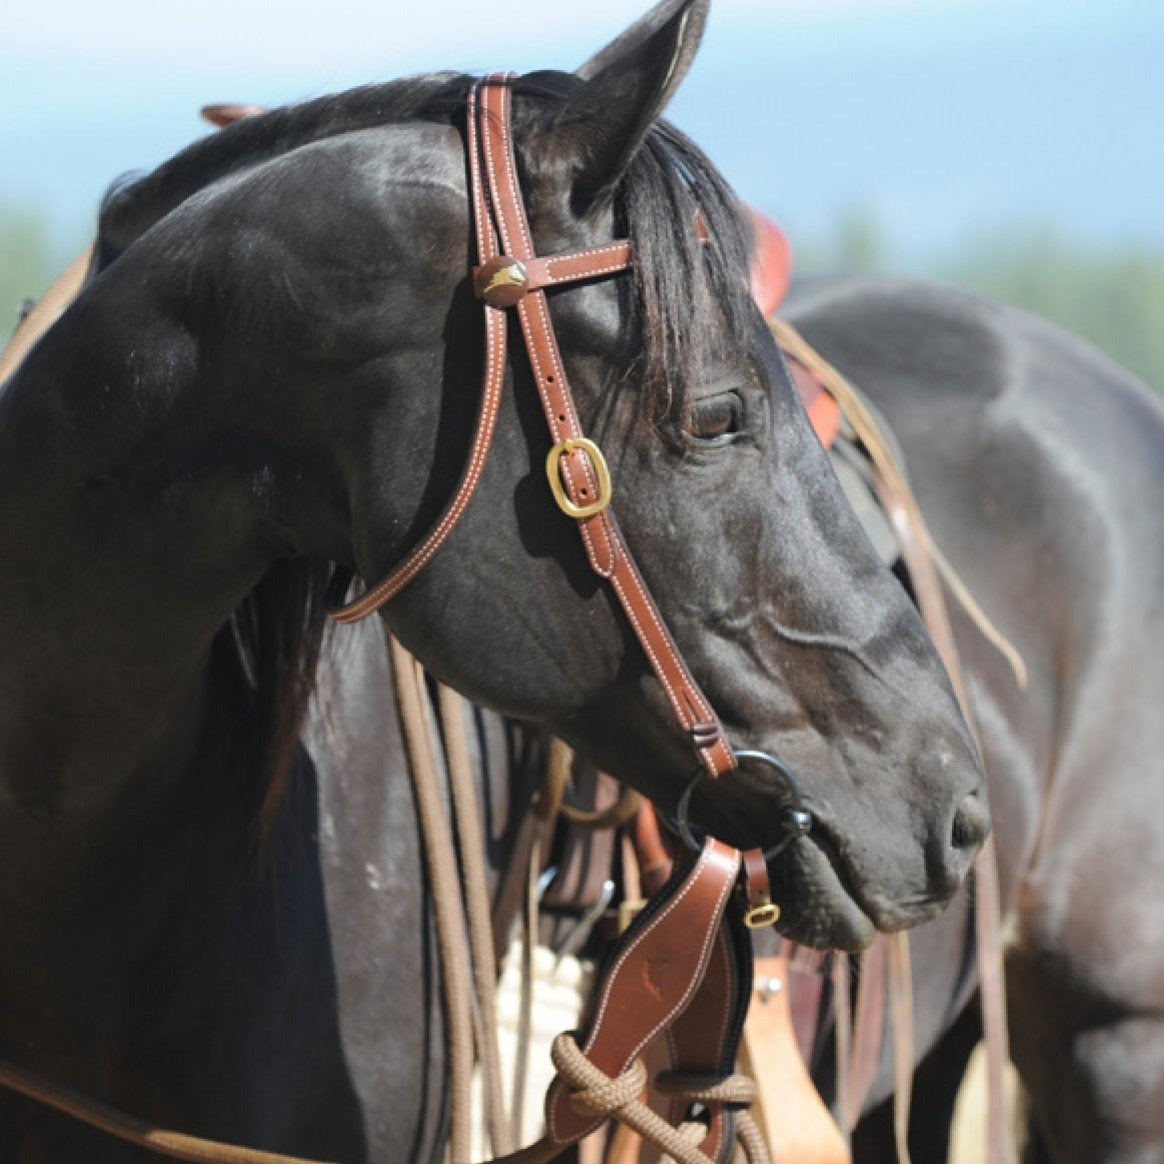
<point x="266" y="386"/>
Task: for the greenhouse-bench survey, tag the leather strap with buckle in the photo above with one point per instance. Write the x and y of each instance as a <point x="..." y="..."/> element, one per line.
<point x="510" y="274"/>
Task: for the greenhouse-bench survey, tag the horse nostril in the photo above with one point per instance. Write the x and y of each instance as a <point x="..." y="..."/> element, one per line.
<point x="971" y="824"/>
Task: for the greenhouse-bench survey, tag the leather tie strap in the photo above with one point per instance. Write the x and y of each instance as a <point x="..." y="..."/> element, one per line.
<point x="678" y="970"/>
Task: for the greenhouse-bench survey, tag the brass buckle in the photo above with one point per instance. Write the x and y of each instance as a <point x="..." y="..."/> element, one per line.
<point x="759" y="916"/>
<point x="601" y="472"/>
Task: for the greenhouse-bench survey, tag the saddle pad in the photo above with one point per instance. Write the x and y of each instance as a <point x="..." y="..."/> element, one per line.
<point x="561" y="989"/>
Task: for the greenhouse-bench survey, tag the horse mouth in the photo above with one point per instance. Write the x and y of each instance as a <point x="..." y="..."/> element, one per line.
<point x="818" y="905"/>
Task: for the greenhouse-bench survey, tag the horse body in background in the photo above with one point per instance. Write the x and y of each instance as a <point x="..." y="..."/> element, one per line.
<point x="1038" y="464"/>
<point x="266" y="386"/>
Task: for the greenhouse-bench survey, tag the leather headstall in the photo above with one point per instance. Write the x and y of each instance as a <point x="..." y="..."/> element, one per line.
<point x="511" y="275"/>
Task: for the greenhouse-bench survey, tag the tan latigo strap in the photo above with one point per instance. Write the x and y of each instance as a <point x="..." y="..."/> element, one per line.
<point x="799" y="1126"/>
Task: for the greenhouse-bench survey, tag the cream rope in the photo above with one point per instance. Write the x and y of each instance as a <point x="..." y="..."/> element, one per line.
<point x="737" y="1090"/>
<point x="593" y="1092"/>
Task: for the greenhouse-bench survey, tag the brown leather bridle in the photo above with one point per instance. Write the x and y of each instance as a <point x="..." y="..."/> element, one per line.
<point x="686" y="927"/>
<point x="510" y="274"/>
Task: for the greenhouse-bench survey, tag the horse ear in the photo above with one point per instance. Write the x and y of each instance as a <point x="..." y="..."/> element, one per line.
<point x="627" y="85"/>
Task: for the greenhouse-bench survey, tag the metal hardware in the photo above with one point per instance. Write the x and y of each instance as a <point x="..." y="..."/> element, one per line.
<point x="601" y="472"/>
<point x="768" y="988"/>
<point x="797" y="820"/>
<point x="501" y="282"/>
<point x="545" y="880"/>
<point x="763" y="915"/>
<point x="511" y="276"/>
<point x="580" y="930"/>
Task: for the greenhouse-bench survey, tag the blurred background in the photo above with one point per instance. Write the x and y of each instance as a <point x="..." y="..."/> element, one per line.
<point x="1011" y="147"/>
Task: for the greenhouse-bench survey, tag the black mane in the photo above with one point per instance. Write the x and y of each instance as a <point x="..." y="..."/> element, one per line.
<point x="133" y="208"/>
<point x="688" y="298"/>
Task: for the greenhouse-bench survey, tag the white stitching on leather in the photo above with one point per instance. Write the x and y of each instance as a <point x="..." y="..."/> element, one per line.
<point x="693" y="877"/>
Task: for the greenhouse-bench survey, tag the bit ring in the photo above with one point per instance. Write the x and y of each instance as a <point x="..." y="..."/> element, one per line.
<point x="797" y="819"/>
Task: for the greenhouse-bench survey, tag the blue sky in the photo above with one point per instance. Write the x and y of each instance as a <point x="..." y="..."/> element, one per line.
<point x="946" y="118"/>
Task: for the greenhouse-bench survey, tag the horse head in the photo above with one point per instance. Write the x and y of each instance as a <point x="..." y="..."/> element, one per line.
<point x="302" y="287"/>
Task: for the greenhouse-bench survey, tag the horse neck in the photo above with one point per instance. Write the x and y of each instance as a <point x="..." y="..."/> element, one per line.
<point x="126" y="545"/>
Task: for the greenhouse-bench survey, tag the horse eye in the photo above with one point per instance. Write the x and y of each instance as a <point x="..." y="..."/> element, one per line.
<point x="717" y="417"/>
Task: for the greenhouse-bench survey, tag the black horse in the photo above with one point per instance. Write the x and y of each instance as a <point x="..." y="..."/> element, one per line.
<point x="212" y="916"/>
<point x="1037" y="462"/>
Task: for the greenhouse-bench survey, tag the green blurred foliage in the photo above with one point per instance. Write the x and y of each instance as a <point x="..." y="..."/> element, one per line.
<point x="1112" y="297"/>
<point x="29" y="261"/>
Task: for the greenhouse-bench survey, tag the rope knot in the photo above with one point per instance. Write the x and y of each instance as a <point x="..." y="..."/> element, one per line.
<point x="737" y="1092"/>
<point x="593" y="1092"/>
<point x="733" y="1090"/>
